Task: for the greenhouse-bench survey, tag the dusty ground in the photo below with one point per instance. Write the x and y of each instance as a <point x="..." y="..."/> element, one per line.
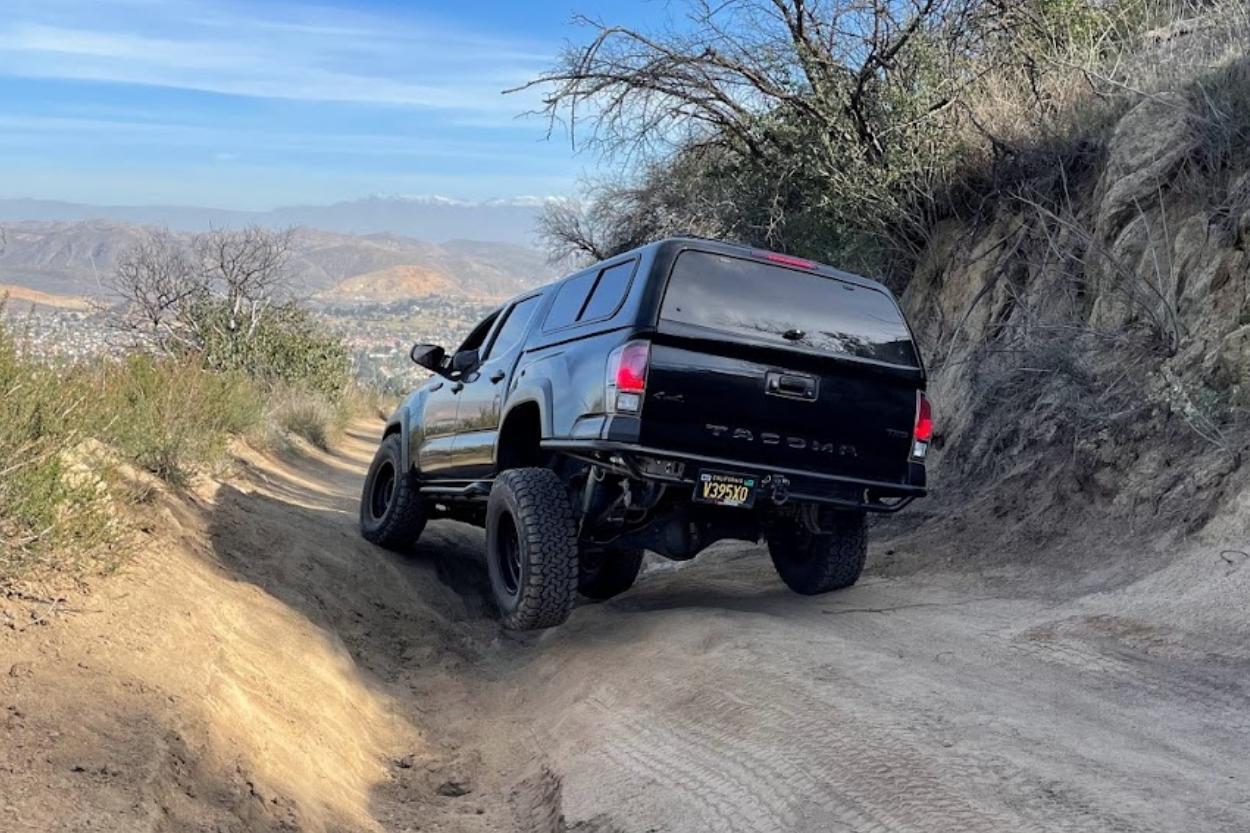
<point x="261" y="668"/>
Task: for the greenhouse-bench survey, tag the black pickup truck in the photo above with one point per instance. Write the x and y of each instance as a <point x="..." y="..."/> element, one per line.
<point x="675" y="395"/>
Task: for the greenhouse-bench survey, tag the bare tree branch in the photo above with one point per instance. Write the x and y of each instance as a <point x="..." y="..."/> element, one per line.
<point x="170" y="289"/>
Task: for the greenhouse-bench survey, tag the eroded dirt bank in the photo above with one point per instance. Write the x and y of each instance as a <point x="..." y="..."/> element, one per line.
<point x="261" y="668"/>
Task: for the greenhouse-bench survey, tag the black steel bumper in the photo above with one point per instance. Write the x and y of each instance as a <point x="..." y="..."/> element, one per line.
<point x="779" y="484"/>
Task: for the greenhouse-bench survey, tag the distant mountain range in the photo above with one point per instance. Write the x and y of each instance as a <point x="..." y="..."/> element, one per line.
<point x="424" y="218"/>
<point x="76" y="258"/>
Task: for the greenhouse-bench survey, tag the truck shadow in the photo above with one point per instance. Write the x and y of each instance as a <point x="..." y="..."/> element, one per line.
<point x="419" y="629"/>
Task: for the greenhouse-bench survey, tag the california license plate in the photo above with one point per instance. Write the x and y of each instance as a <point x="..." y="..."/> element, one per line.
<point x="725" y="489"/>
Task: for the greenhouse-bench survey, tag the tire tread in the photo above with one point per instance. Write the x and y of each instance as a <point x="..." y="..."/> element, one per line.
<point x="543" y="516"/>
<point x="811" y="564"/>
<point x="405" y="516"/>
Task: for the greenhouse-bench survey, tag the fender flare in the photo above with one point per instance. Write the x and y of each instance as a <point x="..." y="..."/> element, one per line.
<point x="401" y="422"/>
<point x="539" y="393"/>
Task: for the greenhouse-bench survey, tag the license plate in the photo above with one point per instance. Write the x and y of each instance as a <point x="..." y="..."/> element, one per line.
<point x="725" y="489"/>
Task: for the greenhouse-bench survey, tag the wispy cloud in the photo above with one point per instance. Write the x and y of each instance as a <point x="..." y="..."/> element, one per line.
<point x="271" y="50"/>
<point x="143" y="130"/>
<point x="261" y="102"/>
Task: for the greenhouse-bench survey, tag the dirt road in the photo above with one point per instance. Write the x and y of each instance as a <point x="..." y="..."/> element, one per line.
<point x="296" y="678"/>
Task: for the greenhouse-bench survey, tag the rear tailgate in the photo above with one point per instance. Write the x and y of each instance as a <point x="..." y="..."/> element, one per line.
<point x="781" y="368"/>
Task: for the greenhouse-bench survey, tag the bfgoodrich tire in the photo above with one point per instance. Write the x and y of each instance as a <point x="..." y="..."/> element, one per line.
<point x="811" y="564"/>
<point x="531" y="549"/>
<point x="391" y="513"/>
<point x="604" y="573"/>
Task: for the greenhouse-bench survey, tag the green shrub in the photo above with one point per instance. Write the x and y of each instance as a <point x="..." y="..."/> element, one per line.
<point x="171" y="416"/>
<point x="42" y="508"/>
<point x="284" y="346"/>
<point x="59" y="499"/>
<point x="65" y="431"/>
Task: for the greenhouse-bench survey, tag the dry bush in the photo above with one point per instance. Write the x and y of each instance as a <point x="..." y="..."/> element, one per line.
<point x="304" y="414"/>
<point x="1220" y="101"/>
<point x="1068" y="77"/>
<point x="317" y="417"/>
<point x="845" y="130"/>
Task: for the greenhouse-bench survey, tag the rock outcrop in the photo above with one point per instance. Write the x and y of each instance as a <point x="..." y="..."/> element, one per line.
<point x="1100" y="339"/>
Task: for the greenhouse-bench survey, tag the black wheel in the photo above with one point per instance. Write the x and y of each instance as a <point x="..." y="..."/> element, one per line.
<point x="531" y="548"/>
<point x="604" y="573"/>
<point x="810" y="564"/>
<point x="391" y="513"/>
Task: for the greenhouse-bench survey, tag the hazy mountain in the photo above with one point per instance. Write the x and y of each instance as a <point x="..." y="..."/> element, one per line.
<point x="63" y="258"/>
<point x="75" y="258"/>
<point x="423" y="218"/>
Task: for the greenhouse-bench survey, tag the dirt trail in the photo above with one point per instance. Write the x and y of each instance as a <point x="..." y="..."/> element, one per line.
<point x="263" y="668"/>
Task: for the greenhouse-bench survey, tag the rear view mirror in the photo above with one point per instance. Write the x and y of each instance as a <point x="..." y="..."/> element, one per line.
<point x="430" y="356"/>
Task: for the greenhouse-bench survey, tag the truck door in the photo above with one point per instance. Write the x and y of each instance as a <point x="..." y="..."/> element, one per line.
<point x="438" y="422"/>
<point x="481" y="400"/>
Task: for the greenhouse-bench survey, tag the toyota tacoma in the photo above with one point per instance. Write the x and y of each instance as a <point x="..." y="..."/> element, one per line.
<point x="679" y="394"/>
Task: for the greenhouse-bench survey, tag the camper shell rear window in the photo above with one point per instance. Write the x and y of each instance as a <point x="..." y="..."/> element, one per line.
<point x="786" y="306"/>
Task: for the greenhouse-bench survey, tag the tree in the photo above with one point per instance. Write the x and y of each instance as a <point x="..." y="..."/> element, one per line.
<point x="821" y="111"/>
<point x="168" y="285"/>
<point x="679" y="196"/>
<point x="224" y="297"/>
<point x="246" y="269"/>
<point x="158" y="283"/>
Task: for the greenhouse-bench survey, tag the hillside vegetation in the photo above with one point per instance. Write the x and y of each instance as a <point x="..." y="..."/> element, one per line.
<point x="215" y="353"/>
<point x="1059" y="189"/>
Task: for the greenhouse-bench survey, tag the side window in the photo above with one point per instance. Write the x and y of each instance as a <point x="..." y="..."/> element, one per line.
<point x="609" y="291"/>
<point x="569" y="301"/>
<point x="513" y="328"/>
<point x="475" y="339"/>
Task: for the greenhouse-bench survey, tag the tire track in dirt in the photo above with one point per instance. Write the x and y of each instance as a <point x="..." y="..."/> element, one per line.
<point x="796" y="727"/>
<point x="793" y="769"/>
<point x="1115" y="666"/>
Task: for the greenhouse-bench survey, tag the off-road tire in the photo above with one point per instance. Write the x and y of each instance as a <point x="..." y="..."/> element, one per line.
<point x="531" y="549"/>
<point x="605" y="572"/>
<point x="811" y="564"/>
<point x="391" y="512"/>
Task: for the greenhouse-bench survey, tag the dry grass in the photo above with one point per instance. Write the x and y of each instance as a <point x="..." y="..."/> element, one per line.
<point x="1036" y="119"/>
<point x="66" y="430"/>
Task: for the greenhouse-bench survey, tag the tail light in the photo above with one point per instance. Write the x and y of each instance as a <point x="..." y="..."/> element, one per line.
<point x="922" y="434"/>
<point x="627" y="377"/>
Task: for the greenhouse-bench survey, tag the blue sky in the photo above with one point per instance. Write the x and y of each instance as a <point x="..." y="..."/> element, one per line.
<point x="240" y="104"/>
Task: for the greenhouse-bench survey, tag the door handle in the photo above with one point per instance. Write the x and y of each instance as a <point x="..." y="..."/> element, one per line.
<point x="796" y="384"/>
<point x="497" y="377"/>
<point x="457" y="387"/>
<point x="792" y="385"/>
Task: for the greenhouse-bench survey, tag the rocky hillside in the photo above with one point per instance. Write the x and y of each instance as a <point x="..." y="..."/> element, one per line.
<point x="75" y="258"/>
<point x="1090" y="345"/>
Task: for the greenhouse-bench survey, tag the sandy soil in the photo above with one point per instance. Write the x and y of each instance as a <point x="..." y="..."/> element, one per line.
<point x="259" y="667"/>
